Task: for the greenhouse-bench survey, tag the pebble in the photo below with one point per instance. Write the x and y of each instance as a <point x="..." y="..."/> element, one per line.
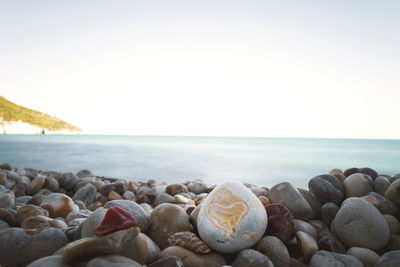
<point x="166" y="220"/>
<point x="306" y="244"/>
<point x="189" y="241"/>
<point x="3" y="225"/>
<point x="51" y="184"/>
<point x="112" y="261"/>
<point x="381" y="184"/>
<point x="327" y="188"/>
<point x="231" y="218"/>
<point x="275" y="250"/>
<point x="370" y="172"/>
<point x="168" y="261"/>
<point x="18" y="246"/>
<point x="9" y="216"/>
<point x="68" y="181"/>
<point x="92" y="222"/>
<point x="58" y="205"/>
<point x="86" y="194"/>
<point x="289" y="196"/>
<point x="191" y="259"/>
<point x="358" y="223"/>
<point x="393" y="192"/>
<point x="163" y="198"/>
<point x="142" y="249"/>
<point x="174" y="189"/>
<point x="49" y="261"/>
<point x="329" y="242"/>
<point x="338" y="174"/>
<point x="366" y="256"/>
<point x="326" y="258"/>
<point x="389" y="259"/>
<point x="3" y="178"/>
<point x="384" y="205"/>
<point x="252" y="258"/>
<point x="114" y="196"/>
<point x="29" y="211"/>
<point x="280" y="222"/>
<point x="197" y="187"/>
<point x="7" y="199"/>
<point x="114" y="220"/>
<point x="328" y="212"/>
<point x="84" y="173"/>
<point x="392" y="222"/>
<point x="357" y="185"/>
<point x="314" y="203"/>
<point x="136" y="210"/>
<point x="305" y="227"/>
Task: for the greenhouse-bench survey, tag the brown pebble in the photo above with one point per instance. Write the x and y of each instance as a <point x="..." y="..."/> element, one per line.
<point x="189" y="241"/>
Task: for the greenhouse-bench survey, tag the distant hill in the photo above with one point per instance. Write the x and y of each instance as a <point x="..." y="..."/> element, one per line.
<point x="10" y="112"/>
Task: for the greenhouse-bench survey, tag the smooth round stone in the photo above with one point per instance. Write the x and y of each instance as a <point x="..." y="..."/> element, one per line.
<point x="18" y="247"/>
<point x="49" y="261"/>
<point x="389" y="259"/>
<point x="191" y="259"/>
<point x="136" y="210"/>
<point x="129" y="195"/>
<point x="86" y="194"/>
<point x="168" y="261"/>
<point x="51" y="184"/>
<point x="366" y="256"/>
<point x="3" y="177"/>
<point x="58" y="205"/>
<point x="305" y="227"/>
<point x="22" y="200"/>
<point x="39" y="197"/>
<point x="9" y="216"/>
<point x="392" y="222"/>
<point x="197" y="187"/>
<point x="11" y="175"/>
<point x="326" y="258"/>
<point x="231" y="218"/>
<point x="84" y="173"/>
<point x="357" y="185"/>
<point x="120" y="186"/>
<point x="328" y="212"/>
<point x="327" y="241"/>
<point x="112" y="261"/>
<point x="384" y="205"/>
<point x="327" y="188"/>
<point x="166" y="220"/>
<point x="350" y="171"/>
<point x="275" y="250"/>
<point x="92" y="222"/>
<point x="289" y="196"/>
<point x="306" y="244"/>
<point x="7" y="199"/>
<point x="338" y="174"/>
<point x="142" y="249"/>
<point x="393" y="192"/>
<point x="252" y="258"/>
<point x="381" y="184"/>
<point x="30" y="211"/>
<point x="163" y="198"/>
<point x="36" y="185"/>
<point x="280" y="221"/>
<point x="3" y="225"/>
<point x="314" y="203"/>
<point x="114" y="196"/>
<point x="68" y="181"/>
<point x="370" y="172"/>
<point x="174" y="189"/>
<point x="359" y="224"/>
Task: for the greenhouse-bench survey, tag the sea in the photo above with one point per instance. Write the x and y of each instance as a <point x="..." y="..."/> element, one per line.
<point x="260" y="161"/>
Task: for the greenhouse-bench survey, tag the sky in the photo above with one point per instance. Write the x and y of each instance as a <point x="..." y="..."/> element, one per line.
<point x="327" y="69"/>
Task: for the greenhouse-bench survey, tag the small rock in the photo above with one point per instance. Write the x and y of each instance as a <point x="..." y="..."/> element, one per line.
<point x="68" y="181"/>
<point x="326" y="258"/>
<point x="174" y="189"/>
<point x="392" y="222"/>
<point x="49" y="261"/>
<point x="86" y="194"/>
<point x="305" y="227"/>
<point x="142" y="249"/>
<point x="51" y="184"/>
<point x="36" y="185"/>
<point x="314" y="203"/>
<point x="29" y="211"/>
<point x="197" y="188"/>
<point x="366" y="256"/>
<point x="168" y="261"/>
<point x="163" y="198"/>
<point x="280" y="222"/>
<point x="389" y="259"/>
<point x="275" y="250"/>
<point x="7" y="199"/>
<point x="328" y="212"/>
<point x="58" y="205"/>
<point x="191" y="259"/>
<point x="357" y="185"/>
<point x="3" y="225"/>
<point x="329" y="242"/>
<point x="112" y="261"/>
<point x="114" y="220"/>
<point x="306" y="244"/>
<point x="370" y="172"/>
<point x="384" y="205"/>
<point x="189" y="241"/>
<point x="381" y="184"/>
<point x="252" y="258"/>
<point x="327" y="188"/>
<point x="114" y="196"/>
<point x="92" y="222"/>
<point x="393" y="192"/>
<point x="84" y="173"/>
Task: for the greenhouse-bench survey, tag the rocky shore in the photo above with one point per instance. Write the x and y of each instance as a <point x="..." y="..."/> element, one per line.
<point x="344" y="218"/>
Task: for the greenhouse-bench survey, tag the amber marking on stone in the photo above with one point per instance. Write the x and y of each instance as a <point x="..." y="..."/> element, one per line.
<point x="226" y="210"/>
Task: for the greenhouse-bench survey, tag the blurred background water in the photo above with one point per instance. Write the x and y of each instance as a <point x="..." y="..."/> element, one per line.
<point x="261" y="161"/>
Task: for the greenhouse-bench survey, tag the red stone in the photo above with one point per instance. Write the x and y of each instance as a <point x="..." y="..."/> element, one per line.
<point x="328" y="241"/>
<point x="114" y="220"/>
<point x="280" y="221"/>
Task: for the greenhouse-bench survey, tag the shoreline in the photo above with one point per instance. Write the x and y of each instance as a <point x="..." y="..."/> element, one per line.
<point x="154" y="224"/>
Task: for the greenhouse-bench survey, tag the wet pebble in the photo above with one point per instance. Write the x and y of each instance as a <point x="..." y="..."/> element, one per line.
<point x="58" y="205"/>
<point x="280" y="221"/>
<point x="252" y="258"/>
<point x="327" y="188"/>
<point x="275" y="250"/>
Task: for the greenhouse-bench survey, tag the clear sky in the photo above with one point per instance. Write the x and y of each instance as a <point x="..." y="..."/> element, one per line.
<point x="230" y="68"/>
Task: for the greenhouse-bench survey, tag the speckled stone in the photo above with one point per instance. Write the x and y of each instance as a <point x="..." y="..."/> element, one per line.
<point x="174" y="189"/>
<point x="231" y="218"/>
<point x="327" y="188"/>
<point x="58" y="205"/>
<point x="51" y="184"/>
<point x="289" y="196"/>
<point x="358" y="223"/>
<point x="366" y="256"/>
<point x="275" y="250"/>
<point x="252" y="258"/>
<point x="18" y="247"/>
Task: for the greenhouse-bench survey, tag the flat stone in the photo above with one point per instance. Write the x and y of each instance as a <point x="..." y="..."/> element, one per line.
<point x="231" y="218"/>
<point x="58" y="205"/>
<point x="18" y="247"/>
<point x="289" y="196"/>
<point x="389" y="259"/>
<point x="275" y="250"/>
<point x="112" y="261"/>
<point x="327" y="188"/>
<point x="252" y="258"/>
<point x="357" y="185"/>
<point x="359" y="224"/>
<point x="136" y="210"/>
<point x="166" y="220"/>
<point x="366" y="256"/>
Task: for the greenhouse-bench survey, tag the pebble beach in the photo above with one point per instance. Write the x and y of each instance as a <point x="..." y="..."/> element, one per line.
<point x="343" y="218"/>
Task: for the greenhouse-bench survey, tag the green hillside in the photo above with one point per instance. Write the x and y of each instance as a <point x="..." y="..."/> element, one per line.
<point x="13" y="112"/>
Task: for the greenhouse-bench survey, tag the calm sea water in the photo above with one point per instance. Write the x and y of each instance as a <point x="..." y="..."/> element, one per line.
<point x="262" y="161"/>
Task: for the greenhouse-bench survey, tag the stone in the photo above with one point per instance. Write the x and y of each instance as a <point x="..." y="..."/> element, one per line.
<point x="51" y="184"/>
<point x="114" y="220"/>
<point x="174" y="189"/>
<point x="39" y="197"/>
<point x="384" y="205"/>
<point x="393" y="192"/>
<point x="3" y="225"/>
<point x="359" y="224"/>
<point x="114" y="196"/>
<point x="328" y="212"/>
<point x="370" y="172"/>
<point x="327" y="188"/>
<point x="11" y="175"/>
<point x="22" y="200"/>
<point x="9" y="216"/>
<point x="29" y="211"/>
<point x="129" y="195"/>
<point x="7" y="199"/>
<point x="92" y="222"/>
<point x="68" y="181"/>
<point x="252" y="258"/>
<point x="306" y="244"/>
<point x="357" y="185"/>
<point x="112" y="261"/>
<point x="314" y="203"/>
<point x="326" y="258"/>
<point x="136" y="210"/>
<point x="305" y="227"/>
<point x="40" y="221"/>
<point x="389" y="259"/>
<point x="168" y="261"/>
<point x="280" y="222"/>
<point x="392" y="222"/>
<point x="275" y="250"/>
<point x="191" y="259"/>
<point x="36" y="185"/>
<point x="394" y="243"/>
<point x="166" y="220"/>
<point x="18" y="247"/>
<point x="381" y="184"/>
<point x="366" y="256"/>
<point x="3" y="178"/>
<point x="318" y="225"/>
<point x="58" y="205"/>
<point x="49" y="261"/>
<point x="120" y="186"/>
<point x="189" y="241"/>
<point x="231" y="218"/>
<point x="142" y="249"/>
<point x="163" y="198"/>
<point x="338" y="174"/>
<point x="350" y="171"/>
<point x="264" y="200"/>
<point x="6" y="166"/>
<point x="109" y="244"/>
<point x="87" y="194"/>
<point x="329" y="242"/>
<point x="84" y="173"/>
<point x="197" y="188"/>
<point x="289" y="196"/>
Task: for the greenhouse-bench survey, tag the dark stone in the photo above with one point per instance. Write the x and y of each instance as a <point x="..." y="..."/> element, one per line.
<point x="280" y="221"/>
<point x="327" y="188"/>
